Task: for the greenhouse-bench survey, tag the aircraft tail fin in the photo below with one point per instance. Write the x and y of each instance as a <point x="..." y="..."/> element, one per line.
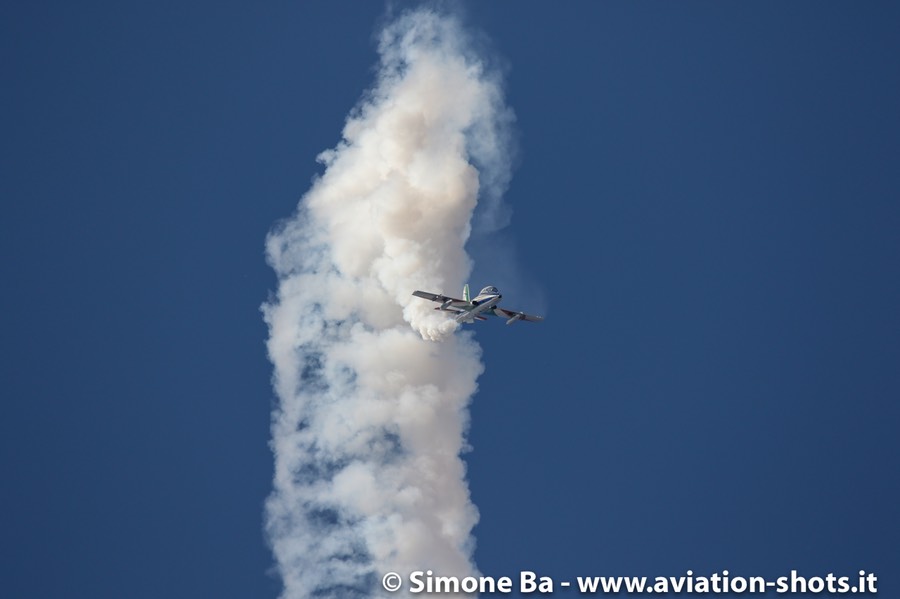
<point x="466" y="293"/>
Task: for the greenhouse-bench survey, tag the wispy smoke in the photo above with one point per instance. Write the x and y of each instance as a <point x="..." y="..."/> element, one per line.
<point x="373" y="384"/>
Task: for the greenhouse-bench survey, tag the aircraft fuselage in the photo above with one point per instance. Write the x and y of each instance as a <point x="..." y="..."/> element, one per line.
<point x="481" y="303"/>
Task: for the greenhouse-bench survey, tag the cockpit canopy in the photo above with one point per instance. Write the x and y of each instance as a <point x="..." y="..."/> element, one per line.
<point x="489" y="291"/>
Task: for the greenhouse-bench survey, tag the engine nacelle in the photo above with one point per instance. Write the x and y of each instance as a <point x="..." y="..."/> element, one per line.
<point x="515" y="318"/>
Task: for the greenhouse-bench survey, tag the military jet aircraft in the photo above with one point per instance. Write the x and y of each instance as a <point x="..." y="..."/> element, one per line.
<point x="470" y="310"/>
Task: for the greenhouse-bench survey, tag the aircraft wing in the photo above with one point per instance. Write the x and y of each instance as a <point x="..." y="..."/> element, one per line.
<point x="446" y="302"/>
<point x="513" y="316"/>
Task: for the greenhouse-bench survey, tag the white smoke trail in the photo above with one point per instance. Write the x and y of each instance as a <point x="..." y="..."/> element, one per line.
<point x="373" y="386"/>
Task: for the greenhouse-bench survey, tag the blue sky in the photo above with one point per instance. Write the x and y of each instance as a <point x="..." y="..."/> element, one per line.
<point x="705" y="205"/>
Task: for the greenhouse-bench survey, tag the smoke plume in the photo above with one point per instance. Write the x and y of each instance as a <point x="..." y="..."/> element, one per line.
<point x="373" y="384"/>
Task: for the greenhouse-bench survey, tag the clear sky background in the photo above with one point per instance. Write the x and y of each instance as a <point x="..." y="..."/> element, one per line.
<point x="705" y="207"/>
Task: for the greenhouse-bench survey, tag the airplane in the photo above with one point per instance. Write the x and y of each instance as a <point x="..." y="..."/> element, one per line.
<point x="469" y="310"/>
